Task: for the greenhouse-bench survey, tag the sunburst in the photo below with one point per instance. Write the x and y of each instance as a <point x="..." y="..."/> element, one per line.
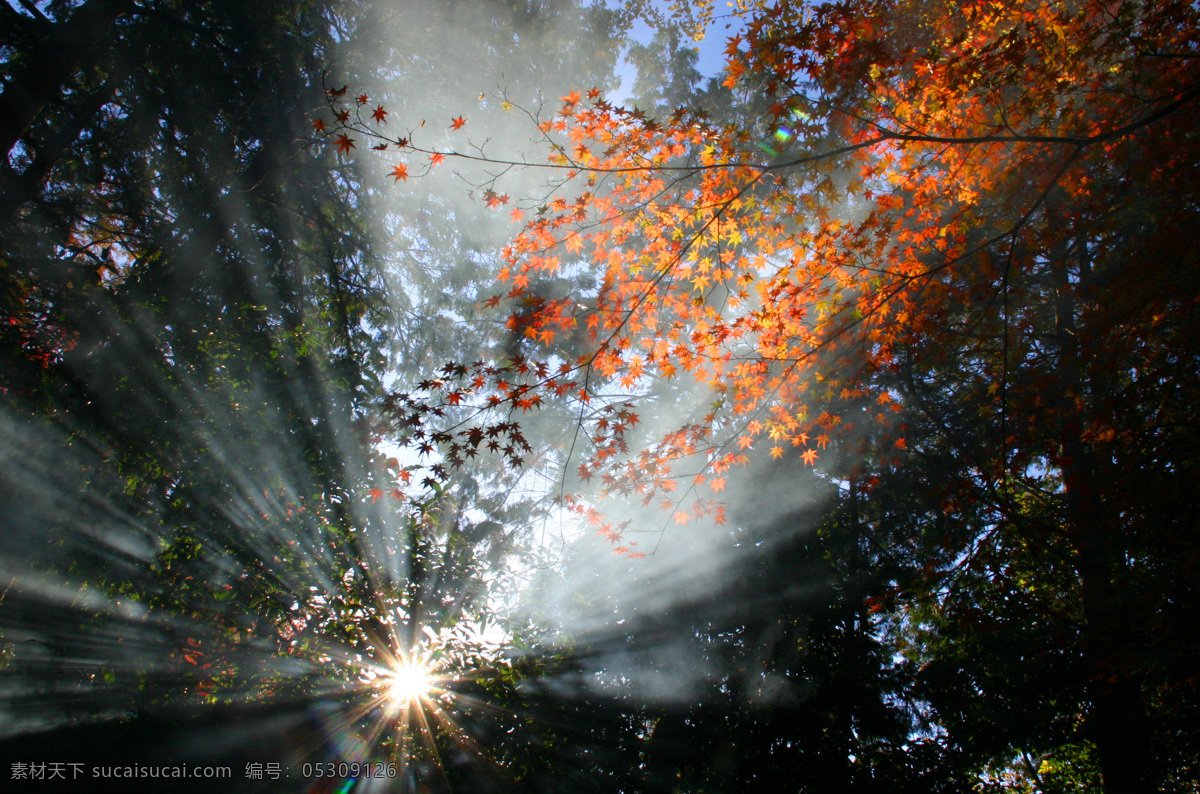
<point x="408" y="682"/>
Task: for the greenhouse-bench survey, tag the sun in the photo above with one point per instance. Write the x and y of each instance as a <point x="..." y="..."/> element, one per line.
<point x="409" y="682"/>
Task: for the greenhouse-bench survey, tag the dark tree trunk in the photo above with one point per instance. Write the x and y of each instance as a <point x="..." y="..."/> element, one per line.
<point x="1117" y="722"/>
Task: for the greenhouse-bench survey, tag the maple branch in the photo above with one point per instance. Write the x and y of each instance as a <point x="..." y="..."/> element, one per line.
<point x="1011" y="231"/>
<point x="1072" y="140"/>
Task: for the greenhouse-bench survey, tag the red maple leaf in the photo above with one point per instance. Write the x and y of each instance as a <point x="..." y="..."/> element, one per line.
<point x="458" y="123"/>
<point x="344" y="143"/>
<point x="380" y="115"/>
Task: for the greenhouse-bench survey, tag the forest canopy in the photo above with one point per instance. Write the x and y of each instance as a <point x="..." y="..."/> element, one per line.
<point x="497" y="395"/>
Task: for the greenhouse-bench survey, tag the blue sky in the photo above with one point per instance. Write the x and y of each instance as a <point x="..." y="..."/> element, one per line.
<point x="711" y="47"/>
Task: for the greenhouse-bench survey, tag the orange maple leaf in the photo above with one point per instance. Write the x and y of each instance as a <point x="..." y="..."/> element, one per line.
<point x="809" y="456"/>
<point x="437" y="158"/>
<point x="400" y="172"/>
<point x="458" y="123"/>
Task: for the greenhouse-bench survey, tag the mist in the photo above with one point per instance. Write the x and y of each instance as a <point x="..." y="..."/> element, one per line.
<point x="851" y="451"/>
<point x="202" y="455"/>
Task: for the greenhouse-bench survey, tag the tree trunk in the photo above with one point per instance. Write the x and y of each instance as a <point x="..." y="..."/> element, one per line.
<point x="1117" y="722"/>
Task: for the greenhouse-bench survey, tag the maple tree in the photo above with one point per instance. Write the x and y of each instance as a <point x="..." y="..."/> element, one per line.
<point x="856" y="223"/>
<point x="932" y="187"/>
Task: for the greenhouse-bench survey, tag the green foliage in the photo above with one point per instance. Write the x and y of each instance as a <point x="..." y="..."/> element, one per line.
<point x="215" y="331"/>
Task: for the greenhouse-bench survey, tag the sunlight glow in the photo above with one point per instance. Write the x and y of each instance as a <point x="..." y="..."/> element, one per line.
<point x="409" y="682"/>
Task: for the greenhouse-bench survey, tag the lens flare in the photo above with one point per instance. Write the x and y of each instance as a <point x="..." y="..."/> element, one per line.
<point x="409" y="682"/>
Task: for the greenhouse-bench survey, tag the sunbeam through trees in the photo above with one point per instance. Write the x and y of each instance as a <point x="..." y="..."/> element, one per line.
<point x="503" y="395"/>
